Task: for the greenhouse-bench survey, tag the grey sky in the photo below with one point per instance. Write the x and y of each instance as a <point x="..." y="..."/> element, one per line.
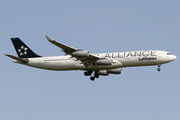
<point x="139" y="93"/>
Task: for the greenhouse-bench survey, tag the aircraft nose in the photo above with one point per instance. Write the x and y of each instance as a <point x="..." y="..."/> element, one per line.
<point x="174" y="57"/>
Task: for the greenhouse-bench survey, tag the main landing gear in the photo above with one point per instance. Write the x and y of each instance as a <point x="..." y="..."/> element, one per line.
<point x="94" y="76"/>
<point x="159" y="69"/>
<point x="89" y="72"/>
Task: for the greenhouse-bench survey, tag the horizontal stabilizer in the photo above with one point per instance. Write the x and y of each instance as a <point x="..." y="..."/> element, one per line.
<point x="23" y="60"/>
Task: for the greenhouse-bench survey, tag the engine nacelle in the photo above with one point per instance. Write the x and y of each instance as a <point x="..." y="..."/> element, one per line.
<point x="80" y="54"/>
<point x="115" y="71"/>
<point x="104" y="62"/>
<point x="103" y="72"/>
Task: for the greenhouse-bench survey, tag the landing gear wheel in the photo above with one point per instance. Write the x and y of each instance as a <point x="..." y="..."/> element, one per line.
<point x="158" y="69"/>
<point x="92" y="78"/>
<point x="89" y="74"/>
<point x="96" y="76"/>
<point x="86" y="73"/>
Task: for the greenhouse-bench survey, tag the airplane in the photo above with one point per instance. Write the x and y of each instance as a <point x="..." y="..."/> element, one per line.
<point x="76" y="59"/>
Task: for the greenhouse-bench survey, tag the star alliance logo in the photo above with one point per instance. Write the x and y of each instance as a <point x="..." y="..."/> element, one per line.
<point x="22" y="50"/>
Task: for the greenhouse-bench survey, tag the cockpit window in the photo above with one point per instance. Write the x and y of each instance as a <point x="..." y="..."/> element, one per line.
<point x="169" y="54"/>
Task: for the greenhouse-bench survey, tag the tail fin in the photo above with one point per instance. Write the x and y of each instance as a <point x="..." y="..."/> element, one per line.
<point x="22" y="49"/>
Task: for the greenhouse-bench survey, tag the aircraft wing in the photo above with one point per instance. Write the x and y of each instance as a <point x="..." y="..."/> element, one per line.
<point x="65" y="48"/>
<point x="70" y="50"/>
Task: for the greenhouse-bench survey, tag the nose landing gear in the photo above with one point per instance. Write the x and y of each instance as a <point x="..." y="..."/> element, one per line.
<point x="159" y="69"/>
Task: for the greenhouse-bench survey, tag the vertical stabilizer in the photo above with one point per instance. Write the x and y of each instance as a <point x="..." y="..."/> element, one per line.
<point x="22" y="49"/>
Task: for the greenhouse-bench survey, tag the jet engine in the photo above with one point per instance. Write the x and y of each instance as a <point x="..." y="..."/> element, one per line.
<point x="115" y="71"/>
<point x="104" y="62"/>
<point x="103" y="72"/>
<point x="110" y="71"/>
<point x="80" y="54"/>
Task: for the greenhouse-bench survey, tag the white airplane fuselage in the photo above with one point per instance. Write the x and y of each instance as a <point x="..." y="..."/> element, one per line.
<point x="120" y="59"/>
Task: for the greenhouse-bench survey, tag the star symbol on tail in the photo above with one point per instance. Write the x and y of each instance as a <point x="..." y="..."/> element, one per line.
<point x="22" y="50"/>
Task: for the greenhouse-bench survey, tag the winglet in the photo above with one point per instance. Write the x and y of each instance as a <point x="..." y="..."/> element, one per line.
<point x="49" y="39"/>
